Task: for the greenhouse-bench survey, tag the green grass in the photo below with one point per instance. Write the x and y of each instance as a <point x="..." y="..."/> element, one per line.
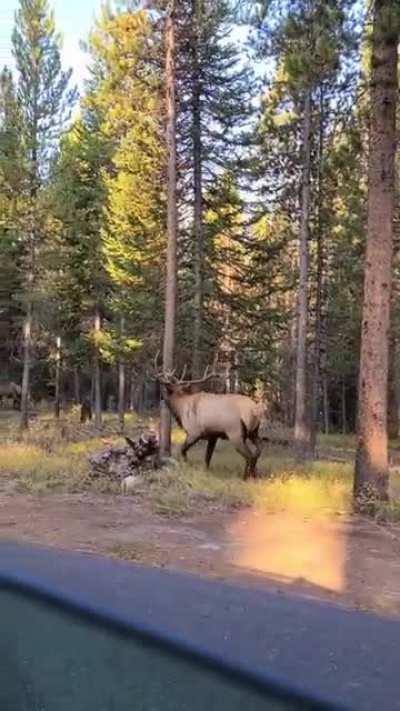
<point x="44" y="461"/>
<point x="52" y="464"/>
<point x="322" y="487"/>
<point x="337" y="440"/>
<point x="347" y="441"/>
<point x="188" y="489"/>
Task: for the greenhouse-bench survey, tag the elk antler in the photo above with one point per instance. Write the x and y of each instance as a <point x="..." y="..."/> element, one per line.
<point x="207" y="375"/>
<point x="169" y="378"/>
<point x="163" y="376"/>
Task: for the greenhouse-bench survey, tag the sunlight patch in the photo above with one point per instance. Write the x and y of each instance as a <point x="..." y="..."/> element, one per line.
<point x="290" y="547"/>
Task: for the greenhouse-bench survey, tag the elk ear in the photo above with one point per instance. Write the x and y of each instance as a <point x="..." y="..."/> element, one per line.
<point x="169" y="388"/>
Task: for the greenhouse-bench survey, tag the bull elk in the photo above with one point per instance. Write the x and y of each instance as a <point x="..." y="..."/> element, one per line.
<point x="211" y="416"/>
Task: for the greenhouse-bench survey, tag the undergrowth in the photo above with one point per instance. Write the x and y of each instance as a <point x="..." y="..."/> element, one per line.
<point x="44" y="461"/>
<point x="322" y="487"/>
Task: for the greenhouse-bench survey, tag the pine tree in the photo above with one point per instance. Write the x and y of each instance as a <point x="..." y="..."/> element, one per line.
<point x="127" y="95"/>
<point x="11" y="212"/>
<point x="172" y="218"/>
<point x="44" y="99"/>
<point x="80" y="287"/>
<point x="215" y="90"/>
<point x="371" y="470"/>
<point x="309" y="42"/>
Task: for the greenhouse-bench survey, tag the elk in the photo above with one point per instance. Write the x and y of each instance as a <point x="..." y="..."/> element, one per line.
<point x="11" y="390"/>
<point x="211" y="416"/>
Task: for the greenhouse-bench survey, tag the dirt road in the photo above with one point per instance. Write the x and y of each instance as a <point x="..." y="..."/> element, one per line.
<point x="341" y="559"/>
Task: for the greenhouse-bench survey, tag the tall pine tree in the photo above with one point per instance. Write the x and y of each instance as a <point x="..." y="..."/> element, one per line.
<point x="44" y="101"/>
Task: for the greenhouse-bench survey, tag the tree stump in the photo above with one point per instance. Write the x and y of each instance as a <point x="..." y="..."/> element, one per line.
<point x="86" y="411"/>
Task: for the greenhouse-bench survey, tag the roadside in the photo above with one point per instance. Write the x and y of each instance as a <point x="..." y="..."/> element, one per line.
<point x="292" y="529"/>
<point x="346" y="560"/>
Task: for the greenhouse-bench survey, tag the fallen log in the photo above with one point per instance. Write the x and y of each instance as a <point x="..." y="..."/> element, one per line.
<point x="118" y="462"/>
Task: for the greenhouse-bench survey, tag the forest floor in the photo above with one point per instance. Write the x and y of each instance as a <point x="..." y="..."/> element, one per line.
<point x="292" y="529"/>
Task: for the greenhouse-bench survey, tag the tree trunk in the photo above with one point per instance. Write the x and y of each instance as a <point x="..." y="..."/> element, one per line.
<point x="198" y="195"/>
<point x="302" y="434"/>
<point x="326" y="402"/>
<point x="172" y="223"/>
<point x="371" y="480"/>
<point x="121" y="384"/>
<point x="31" y="268"/>
<point x="344" y="408"/>
<point x="132" y="390"/>
<point x="92" y="389"/>
<point x="291" y="371"/>
<point x="227" y="376"/>
<point x="77" y="386"/>
<point x="393" y="400"/>
<point x="24" y="422"/>
<point x="96" y="371"/>
<point x="236" y="378"/>
<point x="57" y="398"/>
<point x="316" y="390"/>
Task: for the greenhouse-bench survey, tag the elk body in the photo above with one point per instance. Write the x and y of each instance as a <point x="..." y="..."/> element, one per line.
<point x="11" y="390"/>
<point x="211" y="416"/>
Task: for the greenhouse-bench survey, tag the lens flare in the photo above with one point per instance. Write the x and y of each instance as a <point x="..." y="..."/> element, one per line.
<point x="289" y="546"/>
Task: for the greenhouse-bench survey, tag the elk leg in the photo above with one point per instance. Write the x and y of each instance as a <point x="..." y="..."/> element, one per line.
<point x="188" y="443"/>
<point x="212" y="441"/>
<point x="244" y="450"/>
<point x="256" y="442"/>
<point x="253" y="468"/>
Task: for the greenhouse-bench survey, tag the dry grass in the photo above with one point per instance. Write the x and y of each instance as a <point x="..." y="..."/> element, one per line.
<point x="45" y="461"/>
<point x="37" y="472"/>
<point x="137" y="550"/>
<point x="323" y="487"/>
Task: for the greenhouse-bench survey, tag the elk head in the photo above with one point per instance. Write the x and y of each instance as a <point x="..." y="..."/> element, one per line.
<point x="171" y="385"/>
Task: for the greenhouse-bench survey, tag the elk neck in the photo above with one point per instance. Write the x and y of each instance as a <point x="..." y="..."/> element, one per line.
<point x="175" y="403"/>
